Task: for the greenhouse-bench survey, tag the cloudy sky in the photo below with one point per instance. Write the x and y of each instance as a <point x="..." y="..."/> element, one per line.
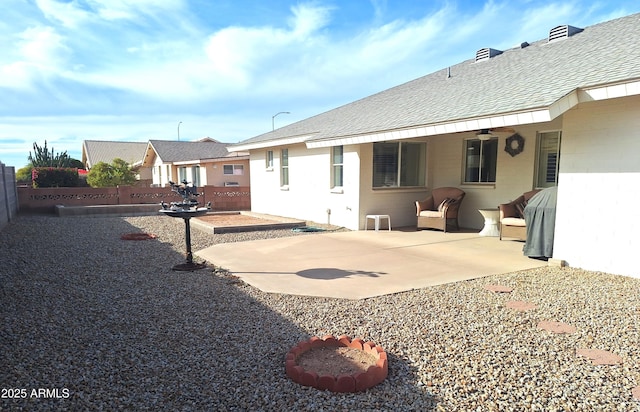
<point x="134" y="70"/>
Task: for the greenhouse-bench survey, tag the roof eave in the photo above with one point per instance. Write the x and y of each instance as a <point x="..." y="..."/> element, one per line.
<point x="536" y="115"/>
<point x="240" y="147"/>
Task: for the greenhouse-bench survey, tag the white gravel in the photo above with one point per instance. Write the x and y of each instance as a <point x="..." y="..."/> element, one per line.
<point x="92" y="322"/>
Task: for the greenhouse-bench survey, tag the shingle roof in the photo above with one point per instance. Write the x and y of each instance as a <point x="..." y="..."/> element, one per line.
<point x="519" y="79"/>
<point x="94" y="151"/>
<point x="176" y="151"/>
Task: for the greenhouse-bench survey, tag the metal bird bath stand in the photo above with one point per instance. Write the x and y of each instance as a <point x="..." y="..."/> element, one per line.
<point x="186" y="209"/>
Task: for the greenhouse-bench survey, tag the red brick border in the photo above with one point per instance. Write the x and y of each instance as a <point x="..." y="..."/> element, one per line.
<point x="343" y="383"/>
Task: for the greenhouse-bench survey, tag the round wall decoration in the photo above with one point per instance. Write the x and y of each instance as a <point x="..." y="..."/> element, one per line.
<point x="514" y="145"/>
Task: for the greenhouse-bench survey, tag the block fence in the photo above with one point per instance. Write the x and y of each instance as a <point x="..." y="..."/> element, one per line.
<point x="44" y="200"/>
<point x="8" y="194"/>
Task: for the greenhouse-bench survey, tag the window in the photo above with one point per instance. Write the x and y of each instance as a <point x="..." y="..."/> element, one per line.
<point x="480" y="160"/>
<point x="548" y="155"/>
<point x="337" y="156"/>
<point x="269" y="159"/>
<point x="182" y="174"/>
<point x="195" y="175"/>
<point x="399" y="164"/>
<point x="236" y="170"/>
<point x="284" y="167"/>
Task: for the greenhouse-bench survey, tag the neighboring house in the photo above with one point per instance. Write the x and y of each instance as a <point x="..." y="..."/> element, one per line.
<point x="205" y="162"/>
<point x="573" y="99"/>
<point x="94" y="151"/>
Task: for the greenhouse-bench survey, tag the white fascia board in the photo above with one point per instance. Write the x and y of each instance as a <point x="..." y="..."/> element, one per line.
<point x="268" y="143"/>
<point x="228" y="159"/>
<point x="612" y="91"/>
<point x="467" y="125"/>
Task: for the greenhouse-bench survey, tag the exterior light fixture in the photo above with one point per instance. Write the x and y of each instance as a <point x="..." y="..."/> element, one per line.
<point x="484" y="135"/>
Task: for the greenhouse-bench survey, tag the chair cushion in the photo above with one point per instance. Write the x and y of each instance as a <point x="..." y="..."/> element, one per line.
<point x="430" y="213"/>
<point x="513" y="221"/>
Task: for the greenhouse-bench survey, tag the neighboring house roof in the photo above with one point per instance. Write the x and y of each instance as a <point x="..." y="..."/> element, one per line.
<point x="171" y="151"/>
<point x="527" y="84"/>
<point x="94" y="151"/>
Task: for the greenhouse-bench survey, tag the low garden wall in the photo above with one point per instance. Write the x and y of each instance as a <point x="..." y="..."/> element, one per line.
<point x="44" y="200"/>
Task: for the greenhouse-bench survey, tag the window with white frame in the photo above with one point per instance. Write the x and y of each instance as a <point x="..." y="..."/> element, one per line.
<point x="195" y="175"/>
<point x="480" y="160"/>
<point x="548" y="159"/>
<point x="284" y="167"/>
<point x="236" y="170"/>
<point x="337" y="162"/>
<point x="399" y="164"/>
<point x="182" y="174"/>
<point x="269" y="160"/>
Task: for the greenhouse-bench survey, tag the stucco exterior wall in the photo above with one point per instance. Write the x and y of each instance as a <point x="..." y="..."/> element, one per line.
<point x="514" y="174"/>
<point x="213" y="173"/>
<point x="309" y="195"/>
<point x="398" y="203"/>
<point x="596" y="225"/>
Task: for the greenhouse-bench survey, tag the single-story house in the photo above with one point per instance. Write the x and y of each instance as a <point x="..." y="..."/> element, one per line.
<point x="561" y="111"/>
<point x="204" y="162"/>
<point x="94" y="151"/>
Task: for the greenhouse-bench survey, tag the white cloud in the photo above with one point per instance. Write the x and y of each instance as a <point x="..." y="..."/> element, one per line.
<point x="66" y="13"/>
<point x="43" y="46"/>
<point x="40" y="52"/>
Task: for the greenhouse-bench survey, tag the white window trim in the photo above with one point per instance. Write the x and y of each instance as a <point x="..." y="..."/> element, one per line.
<point x="464" y="163"/>
<point x="536" y="175"/>
<point x="282" y="168"/>
<point x="233" y="169"/>
<point x="398" y="173"/>
<point x="335" y="188"/>
<point x="268" y="161"/>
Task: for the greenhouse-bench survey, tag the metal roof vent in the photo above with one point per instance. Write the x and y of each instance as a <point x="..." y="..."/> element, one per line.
<point x="487" y="53"/>
<point x="562" y="32"/>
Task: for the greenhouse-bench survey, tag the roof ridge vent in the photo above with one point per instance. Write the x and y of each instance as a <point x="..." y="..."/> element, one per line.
<point x="486" y="53"/>
<point x="562" y="32"/>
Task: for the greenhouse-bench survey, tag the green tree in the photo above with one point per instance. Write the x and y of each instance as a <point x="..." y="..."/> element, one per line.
<point x="118" y="173"/>
<point x="23" y="175"/>
<point x="42" y="157"/>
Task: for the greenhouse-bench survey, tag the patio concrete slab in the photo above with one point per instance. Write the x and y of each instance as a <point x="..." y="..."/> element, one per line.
<point x="362" y="264"/>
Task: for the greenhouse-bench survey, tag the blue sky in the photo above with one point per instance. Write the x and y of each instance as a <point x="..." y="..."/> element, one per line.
<point x="132" y="70"/>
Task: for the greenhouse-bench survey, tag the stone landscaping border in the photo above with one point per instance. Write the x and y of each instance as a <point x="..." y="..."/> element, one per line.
<point x="344" y="383"/>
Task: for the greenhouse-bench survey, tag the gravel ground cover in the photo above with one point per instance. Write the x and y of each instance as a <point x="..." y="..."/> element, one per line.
<point x="93" y="322"/>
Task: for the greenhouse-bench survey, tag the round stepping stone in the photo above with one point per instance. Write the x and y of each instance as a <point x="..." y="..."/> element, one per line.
<point x="556" y="327"/>
<point x="635" y="392"/>
<point x="520" y="305"/>
<point x="600" y="357"/>
<point x="499" y="288"/>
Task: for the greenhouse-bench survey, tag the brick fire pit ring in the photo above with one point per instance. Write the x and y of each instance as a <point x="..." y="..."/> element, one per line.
<point x="355" y="382"/>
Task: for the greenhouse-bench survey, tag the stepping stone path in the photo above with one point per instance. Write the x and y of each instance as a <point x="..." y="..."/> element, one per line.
<point x="556" y="327"/>
<point x="600" y="357"/>
<point x="499" y="288"/>
<point x="520" y="305"/>
<point x="596" y="356"/>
